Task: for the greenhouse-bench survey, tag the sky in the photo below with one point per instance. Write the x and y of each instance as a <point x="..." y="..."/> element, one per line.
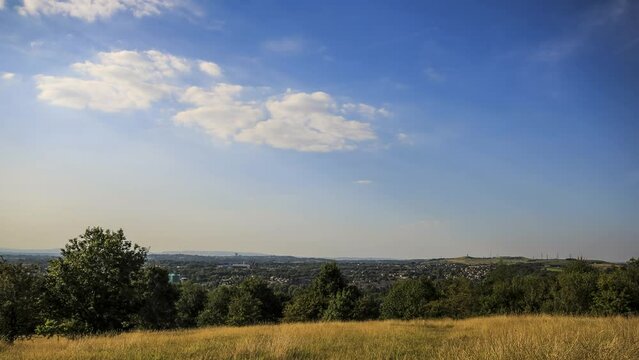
<point x="390" y="129"/>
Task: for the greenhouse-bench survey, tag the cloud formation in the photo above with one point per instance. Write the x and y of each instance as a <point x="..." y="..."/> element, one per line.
<point x="7" y="76"/>
<point x="95" y="9"/>
<point x="211" y="69"/>
<point x="117" y="81"/>
<point x="218" y="111"/>
<point x="131" y="80"/>
<point x="307" y="122"/>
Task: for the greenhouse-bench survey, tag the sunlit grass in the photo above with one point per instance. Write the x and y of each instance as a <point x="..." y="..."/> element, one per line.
<point x="501" y="337"/>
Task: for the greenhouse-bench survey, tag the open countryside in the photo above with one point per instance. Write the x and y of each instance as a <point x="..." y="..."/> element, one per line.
<point x="335" y="179"/>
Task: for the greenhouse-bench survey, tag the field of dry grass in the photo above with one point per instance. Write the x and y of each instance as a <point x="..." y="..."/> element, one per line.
<point x="502" y="337"/>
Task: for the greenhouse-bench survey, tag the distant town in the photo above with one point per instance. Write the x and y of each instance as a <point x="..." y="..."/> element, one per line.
<point x="288" y="272"/>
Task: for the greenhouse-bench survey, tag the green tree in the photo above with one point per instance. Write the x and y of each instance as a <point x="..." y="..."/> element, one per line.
<point x="536" y="293"/>
<point x="304" y="306"/>
<point x="343" y="305"/>
<point x="244" y="309"/>
<point x="216" y="309"/>
<point x="612" y="295"/>
<point x="158" y="300"/>
<point x="190" y="304"/>
<point x="20" y="289"/>
<point x="632" y="271"/>
<point x="311" y="303"/>
<point x="270" y="304"/>
<point x="575" y="288"/>
<point x="505" y="296"/>
<point x="408" y="299"/>
<point x="91" y="287"/>
<point x="329" y="281"/>
<point x="457" y="299"/>
<point x="367" y="307"/>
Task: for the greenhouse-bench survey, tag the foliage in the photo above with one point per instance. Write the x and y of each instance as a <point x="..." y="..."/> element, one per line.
<point x="612" y="295"/>
<point x="329" y="281"/>
<point x="20" y="287"/>
<point x="92" y="287"/>
<point x="408" y="299"/>
<point x="99" y="284"/>
<point x="270" y="304"/>
<point x="190" y="303"/>
<point x="575" y="289"/>
<point x="158" y="300"/>
<point x="216" y="309"/>
<point x="367" y="307"/>
<point x="244" y="309"/>
<point x="305" y="306"/>
<point x="329" y="298"/>
<point x="343" y="305"/>
<point x="457" y="299"/>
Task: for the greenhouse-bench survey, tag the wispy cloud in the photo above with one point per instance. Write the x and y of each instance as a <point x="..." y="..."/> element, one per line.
<point x="287" y="45"/>
<point x="404" y="138"/>
<point x="8" y="75"/>
<point x="555" y="50"/>
<point x="434" y="138"/>
<point x="434" y="75"/>
<point x="92" y="10"/>
<point x="363" y="182"/>
<point x="365" y="110"/>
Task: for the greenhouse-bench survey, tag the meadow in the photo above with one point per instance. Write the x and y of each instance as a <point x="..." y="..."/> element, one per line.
<point x="496" y="337"/>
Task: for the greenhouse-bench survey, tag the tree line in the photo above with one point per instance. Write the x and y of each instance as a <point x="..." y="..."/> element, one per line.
<point x="102" y="284"/>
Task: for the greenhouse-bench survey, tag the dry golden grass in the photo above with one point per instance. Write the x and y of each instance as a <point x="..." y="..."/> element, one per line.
<point x="501" y="337"/>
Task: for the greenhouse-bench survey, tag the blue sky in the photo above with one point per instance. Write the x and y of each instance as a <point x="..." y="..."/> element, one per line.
<point x="334" y="128"/>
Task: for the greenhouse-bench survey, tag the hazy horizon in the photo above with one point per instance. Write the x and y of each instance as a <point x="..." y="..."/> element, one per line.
<point x="231" y="252"/>
<point x="323" y="129"/>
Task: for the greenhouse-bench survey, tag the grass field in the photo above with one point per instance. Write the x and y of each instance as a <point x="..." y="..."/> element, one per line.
<point x="502" y="337"/>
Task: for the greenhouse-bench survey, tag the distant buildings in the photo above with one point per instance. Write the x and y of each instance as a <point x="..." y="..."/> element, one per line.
<point x="235" y="266"/>
<point x="175" y="278"/>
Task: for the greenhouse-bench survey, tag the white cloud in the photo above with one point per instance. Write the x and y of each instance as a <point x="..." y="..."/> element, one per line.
<point x="218" y="111"/>
<point x="1" y="4"/>
<point x="117" y="81"/>
<point x="210" y="68"/>
<point x="306" y="122"/>
<point x="363" y="182"/>
<point x="8" y="76"/>
<point x="365" y="110"/>
<point x="289" y="45"/>
<point x="90" y="10"/>
<point x="128" y="80"/>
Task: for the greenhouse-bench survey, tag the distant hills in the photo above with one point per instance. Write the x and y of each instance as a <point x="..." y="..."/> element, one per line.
<point x="211" y="253"/>
<point x="29" y="251"/>
<point x="261" y="257"/>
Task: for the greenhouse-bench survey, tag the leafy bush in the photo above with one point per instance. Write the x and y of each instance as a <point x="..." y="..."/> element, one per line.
<point x="20" y="288"/>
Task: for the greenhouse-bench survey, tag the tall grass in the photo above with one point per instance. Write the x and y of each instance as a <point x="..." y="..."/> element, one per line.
<point x="502" y="337"/>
